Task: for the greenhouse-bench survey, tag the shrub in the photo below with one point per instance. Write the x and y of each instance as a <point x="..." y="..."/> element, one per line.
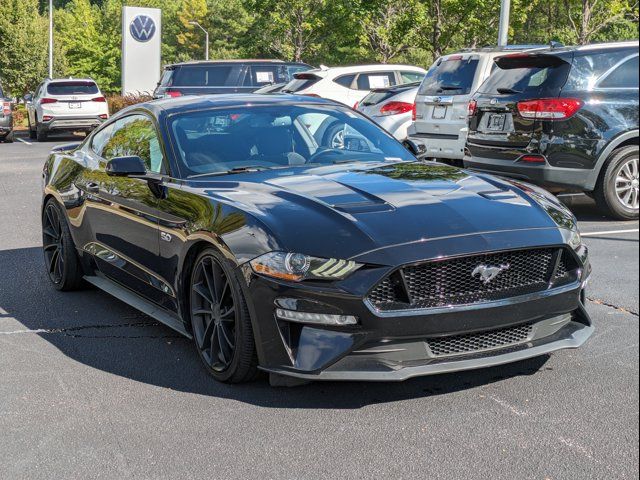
<point x="118" y="102"/>
<point x="19" y="116"/>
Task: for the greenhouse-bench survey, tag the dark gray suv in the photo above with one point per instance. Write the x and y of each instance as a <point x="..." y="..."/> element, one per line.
<point x="6" y="118"/>
<point x="565" y="119"/>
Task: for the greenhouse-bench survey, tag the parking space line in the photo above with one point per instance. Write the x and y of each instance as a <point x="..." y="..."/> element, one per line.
<point x="23" y="141"/>
<point x="609" y="232"/>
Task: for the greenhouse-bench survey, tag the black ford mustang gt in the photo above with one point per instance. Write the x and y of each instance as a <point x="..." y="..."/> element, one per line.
<point x="292" y="235"/>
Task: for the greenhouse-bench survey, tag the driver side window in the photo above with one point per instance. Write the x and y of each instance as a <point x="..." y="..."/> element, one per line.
<point x="134" y="135"/>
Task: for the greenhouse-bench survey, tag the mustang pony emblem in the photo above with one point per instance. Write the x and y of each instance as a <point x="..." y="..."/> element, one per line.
<point x="488" y="272"/>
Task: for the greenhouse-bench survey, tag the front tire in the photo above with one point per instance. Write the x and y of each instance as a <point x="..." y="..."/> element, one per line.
<point x="616" y="192"/>
<point x="60" y="255"/>
<point x="220" y="320"/>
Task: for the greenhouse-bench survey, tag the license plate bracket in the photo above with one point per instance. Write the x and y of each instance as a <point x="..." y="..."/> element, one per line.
<point x="496" y="122"/>
<point x="75" y="105"/>
<point x="439" y="112"/>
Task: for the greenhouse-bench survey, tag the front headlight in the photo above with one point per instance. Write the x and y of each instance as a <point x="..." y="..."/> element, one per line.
<point x="297" y="267"/>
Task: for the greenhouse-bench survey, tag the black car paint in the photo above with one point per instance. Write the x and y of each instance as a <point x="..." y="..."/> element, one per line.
<point x="576" y="147"/>
<point x="383" y="215"/>
<point x="6" y="121"/>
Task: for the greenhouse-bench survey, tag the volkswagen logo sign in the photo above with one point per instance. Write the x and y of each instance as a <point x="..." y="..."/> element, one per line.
<point x="142" y="28"/>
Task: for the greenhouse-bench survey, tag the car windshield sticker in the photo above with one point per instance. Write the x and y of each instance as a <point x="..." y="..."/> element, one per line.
<point x="264" y="77"/>
<point x="378" y="81"/>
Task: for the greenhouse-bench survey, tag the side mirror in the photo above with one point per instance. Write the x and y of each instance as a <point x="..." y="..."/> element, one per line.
<point x="418" y="149"/>
<point x="126" y="167"/>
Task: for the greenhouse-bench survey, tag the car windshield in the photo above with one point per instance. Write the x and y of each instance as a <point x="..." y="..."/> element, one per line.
<point x="538" y="79"/>
<point x="452" y="76"/>
<point x="217" y="141"/>
<point x="72" y="88"/>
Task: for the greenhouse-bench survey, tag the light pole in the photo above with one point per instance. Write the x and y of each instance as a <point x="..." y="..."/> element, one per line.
<point x="206" y="39"/>
<point x="50" y="38"/>
<point x="503" y="31"/>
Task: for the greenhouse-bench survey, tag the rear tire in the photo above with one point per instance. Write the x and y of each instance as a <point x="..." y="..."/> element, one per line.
<point x="60" y="255"/>
<point x="616" y="192"/>
<point x="41" y="133"/>
<point x="220" y="320"/>
<point x="32" y="131"/>
<point x="8" y="137"/>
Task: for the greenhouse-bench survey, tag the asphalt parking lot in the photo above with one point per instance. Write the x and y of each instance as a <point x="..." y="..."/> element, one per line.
<point x="89" y="388"/>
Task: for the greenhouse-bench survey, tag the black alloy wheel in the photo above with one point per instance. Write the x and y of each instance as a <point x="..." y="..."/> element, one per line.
<point x="220" y="321"/>
<point x="61" y="259"/>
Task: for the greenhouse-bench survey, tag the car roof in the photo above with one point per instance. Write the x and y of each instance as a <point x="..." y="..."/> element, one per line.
<point x="67" y="80"/>
<point x="232" y="61"/>
<point x="591" y="48"/>
<point x="325" y="71"/>
<point x="187" y="103"/>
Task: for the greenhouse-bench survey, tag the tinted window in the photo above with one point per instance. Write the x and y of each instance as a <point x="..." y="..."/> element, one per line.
<point x="100" y="139"/>
<point x="301" y="82"/>
<point x="72" y="88"/>
<point x="134" y="135"/>
<point x="166" y="78"/>
<point x="450" y="77"/>
<point x="625" y="76"/>
<point x="589" y="67"/>
<point x="214" y="141"/>
<point x="411" y="77"/>
<point x="368" y="81"/>
<point x="539" y="80"/>
<point x="345" y="80"/>
<point x="201" y="76"/>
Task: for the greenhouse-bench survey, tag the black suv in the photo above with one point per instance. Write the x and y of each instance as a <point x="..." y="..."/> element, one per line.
<point x="6" y="119"/>
<point x="224" y="76"/>
<point x="565" y="119"/>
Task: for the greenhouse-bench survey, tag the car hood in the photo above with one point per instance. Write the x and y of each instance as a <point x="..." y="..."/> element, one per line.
<point x="346" y="210"/>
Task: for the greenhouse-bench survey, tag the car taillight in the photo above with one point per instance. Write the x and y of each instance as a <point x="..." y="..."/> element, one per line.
<point x="315" y="95"/>
<point x="174" y="93"/>
<point x="103" y="116"/>
<point x="99" y="99"/>
<point x="396" y="108"/>
<point x="471" y="108"/>
<point x="46" y="118"/>
<point x="355" y="105"/>
<point x="6" y="108"/>
<point x="532" y="159"/>
<point x="549" y="108"/>
<point x="414" y="112"/>
<point x="48" y="100"/>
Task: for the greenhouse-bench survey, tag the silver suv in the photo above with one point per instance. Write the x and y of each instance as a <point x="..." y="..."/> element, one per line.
<point x="443" y="97"/>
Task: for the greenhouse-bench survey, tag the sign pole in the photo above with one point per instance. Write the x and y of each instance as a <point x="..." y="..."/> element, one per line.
<point x="503" y="31"/>
<point x="50" y="38"/>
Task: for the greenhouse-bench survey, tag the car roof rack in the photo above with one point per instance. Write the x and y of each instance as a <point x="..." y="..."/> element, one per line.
<point x="507" y="48"/>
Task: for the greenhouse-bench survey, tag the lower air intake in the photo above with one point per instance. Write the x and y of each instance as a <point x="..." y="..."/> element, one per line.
<point x="479" y="342"/>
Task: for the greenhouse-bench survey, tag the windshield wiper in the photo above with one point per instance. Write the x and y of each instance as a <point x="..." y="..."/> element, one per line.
<point x="251" y="168"/>
<point x="449" y="87"/>
<point x="507" y="90"/>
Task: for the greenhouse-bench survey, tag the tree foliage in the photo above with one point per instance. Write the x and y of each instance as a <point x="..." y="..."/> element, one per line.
<point x="331" y="32"/>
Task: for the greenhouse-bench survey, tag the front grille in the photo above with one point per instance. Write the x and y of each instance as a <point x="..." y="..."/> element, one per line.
<point x="478" y="342"/>
<point x="457" y="281"/>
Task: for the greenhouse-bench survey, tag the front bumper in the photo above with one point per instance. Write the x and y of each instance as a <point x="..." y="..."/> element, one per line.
<point x="394" y="346"/>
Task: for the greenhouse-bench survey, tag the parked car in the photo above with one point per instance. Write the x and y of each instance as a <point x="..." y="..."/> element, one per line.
<point x="224" y="76"/>
<point x="6" y="118"/>
<point x="442" y="99"/>
<point x="65" y="105"/>
<point x="566" y="119"/>
<point x="232" y="222"/>
<point x="349" y="85"/>
<point x="392" y="108"/>
<point x="271" y="88"/>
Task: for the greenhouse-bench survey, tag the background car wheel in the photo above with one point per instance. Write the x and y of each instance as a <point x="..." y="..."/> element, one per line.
<point x="32" y="131"/>
<point x="334" y="136"/>
<point x="220" y="320"/>
<point x="41" y="134"/>
<point x="8" y="138"/>
<point x="61" y="259"/>
<point x="617" y="190"/>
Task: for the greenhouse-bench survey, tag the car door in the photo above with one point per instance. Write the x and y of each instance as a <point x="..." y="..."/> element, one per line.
<point x="123" y="212"/>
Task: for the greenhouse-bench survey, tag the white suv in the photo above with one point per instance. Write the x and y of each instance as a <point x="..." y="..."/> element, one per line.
<point x="65" y="105"/>
<point x="349" y="85"/>
<point x="440" y="118"/>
